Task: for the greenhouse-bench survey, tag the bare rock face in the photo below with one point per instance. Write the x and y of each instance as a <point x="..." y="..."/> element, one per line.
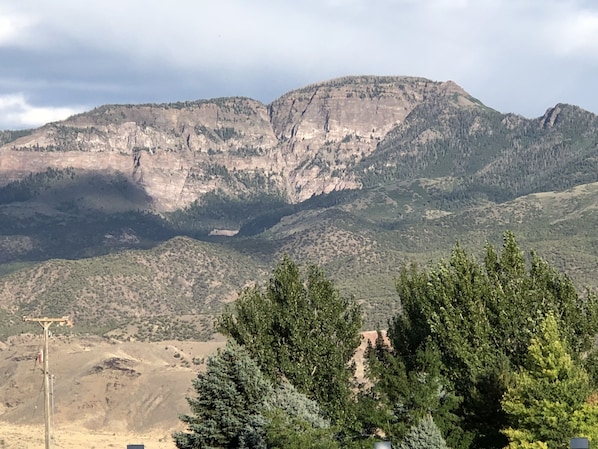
<point x="304" y="143"/>
<point x="325" y="128"/>
<point x="169" y="150"/>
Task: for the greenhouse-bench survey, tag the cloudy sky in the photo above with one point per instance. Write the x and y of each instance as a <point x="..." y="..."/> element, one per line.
<point x="64" y="56"/>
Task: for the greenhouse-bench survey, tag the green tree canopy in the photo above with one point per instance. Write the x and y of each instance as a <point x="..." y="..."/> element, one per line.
<point x="481" y="318"/>
<point x="399" y="399"/>
<point x="548" y="394"/>
<point x="302" y="330"/>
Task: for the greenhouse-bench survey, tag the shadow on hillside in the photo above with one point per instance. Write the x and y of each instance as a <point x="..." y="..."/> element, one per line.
<point x="67" y="215"/>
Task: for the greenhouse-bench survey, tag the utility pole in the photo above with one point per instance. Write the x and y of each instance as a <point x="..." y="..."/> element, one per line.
<point x="45" y="324"/>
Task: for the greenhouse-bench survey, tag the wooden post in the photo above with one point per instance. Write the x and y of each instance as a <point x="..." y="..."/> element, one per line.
<point x="45" y="324"/>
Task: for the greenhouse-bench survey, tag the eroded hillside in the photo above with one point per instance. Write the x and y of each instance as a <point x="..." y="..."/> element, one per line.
<point x="144" y="220"/>
<point x="303" y="144"/>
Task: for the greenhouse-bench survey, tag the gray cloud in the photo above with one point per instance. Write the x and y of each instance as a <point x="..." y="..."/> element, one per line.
<point x="17" y="112"/>
<point x="518" y="56"/>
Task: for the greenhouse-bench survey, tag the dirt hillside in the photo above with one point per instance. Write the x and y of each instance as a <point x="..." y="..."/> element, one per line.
<point x="106" y="393"/>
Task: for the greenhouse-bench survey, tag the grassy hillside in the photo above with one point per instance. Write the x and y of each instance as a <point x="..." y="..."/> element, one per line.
<point x="147" y="294"/>
<point x="90" y="245"/>
<point x="361" y="238"/>
<point x="174" y="289"/>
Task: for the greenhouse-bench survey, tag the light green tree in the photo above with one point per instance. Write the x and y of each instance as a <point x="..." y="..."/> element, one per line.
<point x="546" y="404"/>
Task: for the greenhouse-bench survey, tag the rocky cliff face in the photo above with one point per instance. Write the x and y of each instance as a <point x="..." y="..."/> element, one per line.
<point x="304" y="143"/>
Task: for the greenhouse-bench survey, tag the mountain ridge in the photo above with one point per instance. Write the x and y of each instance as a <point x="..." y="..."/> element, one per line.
<point x="177" y="208"/>
<point x="142" y="222"/>
<point x="275" y="142"/>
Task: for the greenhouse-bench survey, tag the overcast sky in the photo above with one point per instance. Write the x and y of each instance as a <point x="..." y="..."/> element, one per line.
<point x="59" y="57"/>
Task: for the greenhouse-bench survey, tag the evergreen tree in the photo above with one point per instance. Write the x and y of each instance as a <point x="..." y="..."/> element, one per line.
<point x="237" y="407"/>
<point x="302" y="330"/>
<point x="297" y="433"/>
<point x="424" y="435"/>
<point x="287" y="402"/>
<point x="295" y="421"/>
<point x="228" y="411"/>
<point x="548" y="396"/>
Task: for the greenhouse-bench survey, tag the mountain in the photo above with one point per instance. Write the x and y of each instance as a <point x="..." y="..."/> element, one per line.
<point x="143" y="221"/>
<point x="304" y="143"/>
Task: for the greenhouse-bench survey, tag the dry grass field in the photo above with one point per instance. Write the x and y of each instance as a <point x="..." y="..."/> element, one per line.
<point x="70" y="437"/>
<point x="106" y="393"/>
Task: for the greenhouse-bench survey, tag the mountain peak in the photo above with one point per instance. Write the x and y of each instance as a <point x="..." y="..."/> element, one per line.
<point x="377" y="84"/>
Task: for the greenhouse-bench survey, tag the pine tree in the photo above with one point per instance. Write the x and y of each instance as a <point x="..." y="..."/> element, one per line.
<point x="302" y="330"/>
<point x="228" y="411"/>
<point x="297" y="433"/>
<point x="237" y="407"/>
<point x="424" y="435"/>
<point x="295" y="421"/>
<point x="548" y="394"/>
<point x="296" y="406"/>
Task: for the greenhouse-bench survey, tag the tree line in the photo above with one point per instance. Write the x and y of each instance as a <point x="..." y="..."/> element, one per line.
<point x="493" y="354"/>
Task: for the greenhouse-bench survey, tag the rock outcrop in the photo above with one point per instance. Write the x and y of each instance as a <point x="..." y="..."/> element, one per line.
<point x="304" y="143"/>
